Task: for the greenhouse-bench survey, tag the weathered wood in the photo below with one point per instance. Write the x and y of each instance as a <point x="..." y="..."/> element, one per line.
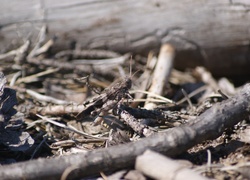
<point x="211" y="33"/>
<point x="159" y="167"/>
<point x="209" y="125"/>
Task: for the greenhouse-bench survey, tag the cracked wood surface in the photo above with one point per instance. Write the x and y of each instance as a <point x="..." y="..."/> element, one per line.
<point x="205" y="32"/>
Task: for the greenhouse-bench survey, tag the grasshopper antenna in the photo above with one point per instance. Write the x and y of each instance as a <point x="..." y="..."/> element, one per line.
<point x="130" y="66"/>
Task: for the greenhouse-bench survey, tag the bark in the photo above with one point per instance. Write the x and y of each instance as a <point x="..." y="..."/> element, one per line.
<point x="203" y="32"/>
<point x="208" y="125"/>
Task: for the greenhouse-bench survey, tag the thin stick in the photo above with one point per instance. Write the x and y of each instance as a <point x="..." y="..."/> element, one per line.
<point x="209" y="158"/>
<point x="55" y="109"/>
<point x="223" y="94"/>
<point x="20" y="50"/>
<point x="145" y="78"/>
<point x="70" y="128"/>
<point x="157" y="166"/>
<point x="34" y="77"/>
<point x="187" y="98"/>
<point x="162" y="72"/>
<point x="115" y="60"/>
<point x="14" y="78"/>
<point x="195" y="92"/>
<point x="45" y="47"/>
<point x="207" y="78"/>
<point x="37" y="148"/>
<point x="149" y="99"/>
<point x="45" y="98"/>
<point x="152" y="95"/>
<point x="40" y="39"/>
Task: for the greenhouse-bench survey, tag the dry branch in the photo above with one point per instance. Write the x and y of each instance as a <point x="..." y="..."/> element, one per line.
<point x="53" y="109"/>
<point x="139" y="128"/>
<point x="161" y="73"/>
<point x="159" y="167"/>
<point x="208" y="125"/>
<point x="83" y="65"/>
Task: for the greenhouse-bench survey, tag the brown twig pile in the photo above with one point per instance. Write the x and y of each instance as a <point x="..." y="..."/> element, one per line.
<point x="86" y="108"/>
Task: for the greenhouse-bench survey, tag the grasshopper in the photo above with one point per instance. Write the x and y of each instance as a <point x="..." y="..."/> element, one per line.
<point x="107" y="100"/>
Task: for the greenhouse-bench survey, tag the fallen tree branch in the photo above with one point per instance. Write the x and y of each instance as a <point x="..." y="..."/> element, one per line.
<point x="209" y="125"/>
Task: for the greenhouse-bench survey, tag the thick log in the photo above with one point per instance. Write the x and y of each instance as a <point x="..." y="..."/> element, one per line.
<point x="211" y="33"/>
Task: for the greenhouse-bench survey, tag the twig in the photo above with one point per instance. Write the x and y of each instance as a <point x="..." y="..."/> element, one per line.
<point x="226" y="86"/>
<point x="145" y="113"/>
<point x="54" y="109"/>
<point x="40" y="39"/>
<point x="149" y="100"/>
<point x="130" y="120"/>
<point x="70" y="128"/>
<point x="209" y="158"/>
<point x="67" y="171"/>
<point x="44" y="48"/>
<point x="43" y="98"/>
<point x="37" y="148"/>
<point x="22" y="53"/>
<point x="8" y="54"/>
<point x="21" y="49"/>
<point x="158" y="166"/>
<point x="70" y="142"/>
<point x="145" y="79"/>
<point x="115" y="60"/>
<point x="34" y="77"/>
<point x="14" y="78"/>
<point x="188" y="99"/>
<point x="195" y="92"/>
<point x="224" y="96"/>
<point x="87" y="54"/>
<point x="207" y="78"/>
<point x="153" y="95"/>
<point x="88" y="67"/>
<point x="162" y="72"/>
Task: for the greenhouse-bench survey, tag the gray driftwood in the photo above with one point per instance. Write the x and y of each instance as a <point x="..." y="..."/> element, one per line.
<point x="203" y="32"/>
<point x="208" y="125"/>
